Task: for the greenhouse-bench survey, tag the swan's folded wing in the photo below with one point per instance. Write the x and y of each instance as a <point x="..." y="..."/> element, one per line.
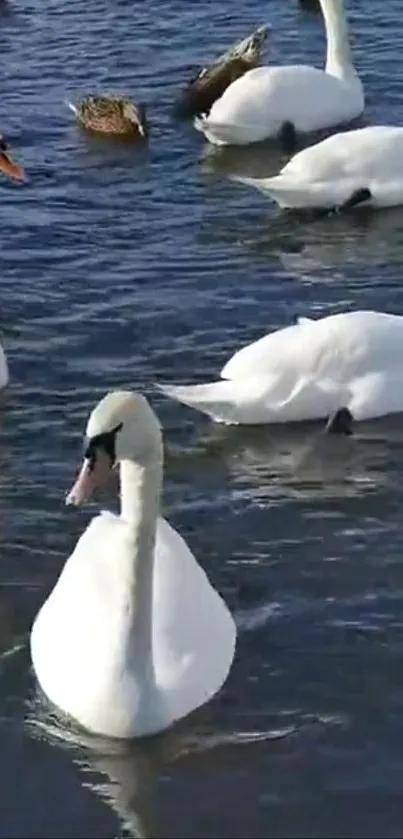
<point x="194" y="634"/>
<point x="265" y="356"/>
<point x="76" y="639"/>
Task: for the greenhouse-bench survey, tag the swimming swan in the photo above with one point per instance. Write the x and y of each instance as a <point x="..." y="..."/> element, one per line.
<point x="308" y="370"/>
<point x="4" y="371"/>
<point x="273" y="101"/>
<point x="354" y="167"/>
<point x="133" y="636"/>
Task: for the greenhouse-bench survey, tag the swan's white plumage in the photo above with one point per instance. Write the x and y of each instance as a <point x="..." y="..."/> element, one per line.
<point x="328" y="173"/>
<point x="4" y="371"/>
<point x="88" y="659"/>
<point x="308" y="370"/>
<point x="255" y="106"/>
<point x="81" y="645"/>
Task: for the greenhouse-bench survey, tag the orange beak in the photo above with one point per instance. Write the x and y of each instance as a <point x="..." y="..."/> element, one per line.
<point x="11" y="168"/>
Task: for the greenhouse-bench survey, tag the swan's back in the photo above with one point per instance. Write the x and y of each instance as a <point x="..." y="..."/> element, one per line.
<point x="307" y="96"/>
<point x="194" y="633"/>
<point x="339" y="347"/>
<point x="349" y="153"/>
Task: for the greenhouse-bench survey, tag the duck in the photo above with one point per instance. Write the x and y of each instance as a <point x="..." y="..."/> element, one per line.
<point x="281" y="102"/>
<point x="8" y="165"/>
<point x="363" y="167"/>
<point x="210" y="82"/>
<point x="133" y="636"/>
<point x="113" y="115"/>
<point x="306" y="371"/>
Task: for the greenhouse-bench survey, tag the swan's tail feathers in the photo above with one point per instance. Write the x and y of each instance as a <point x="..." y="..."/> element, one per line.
<point x="72" y="107"/>
<point x="277" y="188"/>
<point x="219" y="400"/>
<point x="221" y="133"/>
<point x="287" y="191"/>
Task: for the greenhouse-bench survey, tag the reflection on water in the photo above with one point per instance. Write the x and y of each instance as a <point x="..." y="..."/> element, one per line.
<point x="345" y="241"/>
<point x="301" y="461"/>
<point x="260" y="161"/>
<point x="126" y="775"/>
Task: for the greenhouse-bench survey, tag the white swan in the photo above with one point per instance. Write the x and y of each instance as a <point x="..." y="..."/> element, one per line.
<point x="308" y="370"/>
<point x="354" y="167"/>
<point x="4" y="371"/>
<point x="268" y="100"/>
<point x="133" y="636"/>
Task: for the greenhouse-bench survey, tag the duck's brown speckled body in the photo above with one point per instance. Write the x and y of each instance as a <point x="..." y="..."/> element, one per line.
<point x="211" y="82"/>
<point x="113" y="115"/>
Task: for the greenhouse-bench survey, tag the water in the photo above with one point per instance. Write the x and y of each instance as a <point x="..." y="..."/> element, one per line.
<point x="124" y="267"/>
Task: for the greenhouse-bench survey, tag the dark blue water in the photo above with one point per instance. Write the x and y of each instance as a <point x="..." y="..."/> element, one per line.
<point x="121" y="267"/>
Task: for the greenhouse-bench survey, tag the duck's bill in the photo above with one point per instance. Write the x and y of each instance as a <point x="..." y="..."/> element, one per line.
<point x="11" y="168"/>
<point x="91" y="476"/>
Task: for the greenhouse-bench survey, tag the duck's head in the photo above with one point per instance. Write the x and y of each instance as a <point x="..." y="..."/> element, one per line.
<point x="121" y="427"/>
<point x="137" y="114"/>
<point x="341" y="422"/>
<point x="8" y="165"/>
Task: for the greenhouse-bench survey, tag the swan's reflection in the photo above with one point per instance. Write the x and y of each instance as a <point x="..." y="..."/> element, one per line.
<point x="353" y="239"/>
<point x="260" y="161"/>
<point x="268" y="462"/>
<point x="130" y="771"/>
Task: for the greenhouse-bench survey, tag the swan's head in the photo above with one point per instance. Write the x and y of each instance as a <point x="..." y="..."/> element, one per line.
<point x="122" y="426"/>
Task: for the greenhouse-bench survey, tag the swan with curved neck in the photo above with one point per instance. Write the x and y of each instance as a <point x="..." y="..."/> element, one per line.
<point x="133" y="636"/>
<point x="284" y="101"/>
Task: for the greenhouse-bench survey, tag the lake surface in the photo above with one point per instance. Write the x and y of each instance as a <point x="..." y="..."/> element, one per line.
<point x="122" y="267"/>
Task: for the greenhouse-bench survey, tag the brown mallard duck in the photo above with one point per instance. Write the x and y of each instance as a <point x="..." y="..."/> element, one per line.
<point x="211" y="82"/>
<point x="8" y="165"/>
<point x="112" y="115"/>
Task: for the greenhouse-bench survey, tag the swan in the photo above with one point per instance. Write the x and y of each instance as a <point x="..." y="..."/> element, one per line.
<point x="282" y="101"/>
<point x="308" y="370"/>
<point x="133" y="636"/>
<point x="4" y="371"/>
<point x="364" y="166"/>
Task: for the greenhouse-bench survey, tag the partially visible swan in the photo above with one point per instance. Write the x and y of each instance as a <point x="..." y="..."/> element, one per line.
<point x="275" y="101"/>
<point x="4" y="371"/>
<point x="133" y="636"/>
<point x="364" y="166"/>
<point x="308" y="370"/>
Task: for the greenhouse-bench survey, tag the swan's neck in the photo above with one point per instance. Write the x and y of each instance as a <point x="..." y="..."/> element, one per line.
<point x="140" y="487"/>
<point x="338" y="57"/>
